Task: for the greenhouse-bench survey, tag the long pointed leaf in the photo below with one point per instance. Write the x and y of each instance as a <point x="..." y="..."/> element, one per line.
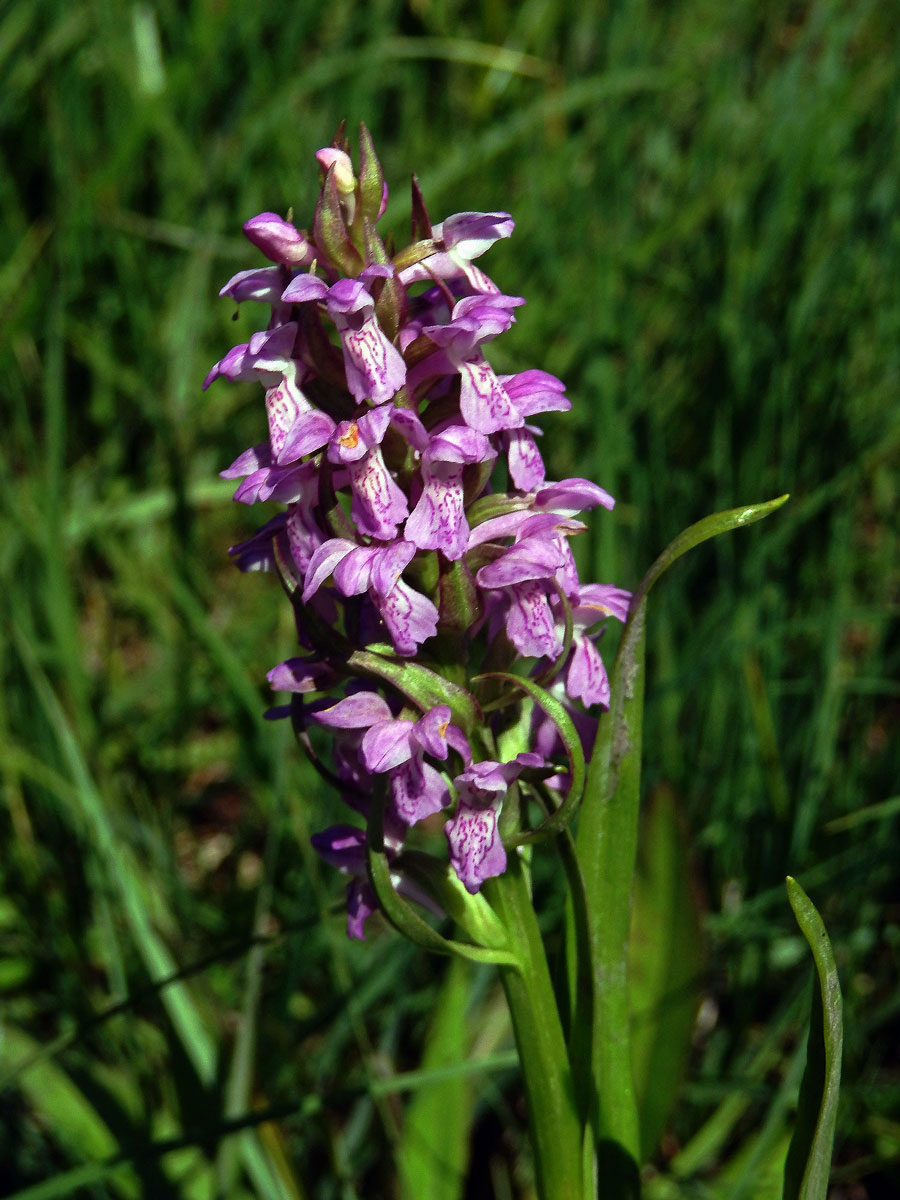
<point x="665" y="964"/>
<point x="808" y="1163"/>
<point x="607" y="850"/>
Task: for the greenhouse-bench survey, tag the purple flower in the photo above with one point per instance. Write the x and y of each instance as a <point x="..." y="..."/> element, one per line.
<point x="585" y="673"/>
<point x="476" y="851"/>
<point x="267" y="357"/>
<point x="374" y="366"/>
<point x="463" y="237"/>
<point x="410" y="617"/>
<point x="279" y="241"/>
<point x="399" y="747"/>
<point x="526" y="573"/>
<point x="438" y="521"/>
<point x="483" y="400"/>
<point x="378" y="504"/>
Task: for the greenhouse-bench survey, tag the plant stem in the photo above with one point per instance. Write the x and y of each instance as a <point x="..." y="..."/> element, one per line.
<point x="556" y="1129"/>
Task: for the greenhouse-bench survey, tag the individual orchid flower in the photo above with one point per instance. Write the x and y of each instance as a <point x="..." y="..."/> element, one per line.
<point x="484" y="402"/>
<point x="458" y="240"/>
<point x="438" y="521"/>
<point x="476" y="851"/>
<point x="374" y="366"/>
<point x="528" y="573"/>
<point x="378" y="504"/>
<point x="410" y="617"/>
<point x="397" y="746"/>
<point x="265" y="358"/>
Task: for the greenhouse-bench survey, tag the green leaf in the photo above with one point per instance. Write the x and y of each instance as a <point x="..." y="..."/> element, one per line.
<point x="607" y="851"/>
<point x="808" y="1164"/>
<point x="434" y="1150"/>
<point x="425" y="688"/>
<point x="702" y="531"/>
<point x="665" y="964"/>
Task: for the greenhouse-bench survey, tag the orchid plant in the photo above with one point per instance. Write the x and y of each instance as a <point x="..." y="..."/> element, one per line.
<point x="450" y="686"/>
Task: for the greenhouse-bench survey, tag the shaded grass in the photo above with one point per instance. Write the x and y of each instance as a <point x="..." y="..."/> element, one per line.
<point x="707" y="237"/>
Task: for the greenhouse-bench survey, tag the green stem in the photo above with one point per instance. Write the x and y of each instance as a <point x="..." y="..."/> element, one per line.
<point x="556" y="1131"/>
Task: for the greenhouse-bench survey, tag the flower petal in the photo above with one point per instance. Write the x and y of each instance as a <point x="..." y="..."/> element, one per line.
<point x="387" y="744"/>
<point x="418" y="791"/>
<point x="357" y="711"/>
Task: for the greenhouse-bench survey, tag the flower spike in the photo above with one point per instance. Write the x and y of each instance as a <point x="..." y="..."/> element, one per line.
<point x="447" y="650"/>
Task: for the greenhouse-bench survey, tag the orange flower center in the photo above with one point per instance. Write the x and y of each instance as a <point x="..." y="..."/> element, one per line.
<point x="350" y="440"/>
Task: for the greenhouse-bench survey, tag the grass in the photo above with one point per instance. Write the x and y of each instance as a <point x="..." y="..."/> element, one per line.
<point x="707" y="235"/>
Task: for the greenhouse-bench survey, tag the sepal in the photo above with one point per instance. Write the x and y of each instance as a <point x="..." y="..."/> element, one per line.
<point x="372" y="187"/>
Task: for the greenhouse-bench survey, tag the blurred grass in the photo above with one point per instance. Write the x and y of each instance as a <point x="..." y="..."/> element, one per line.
<point x="707" y="234"/>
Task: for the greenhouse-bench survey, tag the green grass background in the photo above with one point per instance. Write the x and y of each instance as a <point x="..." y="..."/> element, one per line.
<point x="706" y="197"/>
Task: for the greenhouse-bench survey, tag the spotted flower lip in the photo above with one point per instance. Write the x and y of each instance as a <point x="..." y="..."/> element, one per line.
<point x="438" y="521"/>
<point x="378" y="505"/>
<point x="374" y="366"/>
<point x="418" y="535"/>
<point x="476" y="851"/>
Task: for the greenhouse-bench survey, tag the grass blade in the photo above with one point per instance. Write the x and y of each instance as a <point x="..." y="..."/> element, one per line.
<point x="808" y="1164"/>
<point x="434" y="1152"/>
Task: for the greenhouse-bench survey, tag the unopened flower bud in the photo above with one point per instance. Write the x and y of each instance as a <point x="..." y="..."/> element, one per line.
<point x="343" y="168"/>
